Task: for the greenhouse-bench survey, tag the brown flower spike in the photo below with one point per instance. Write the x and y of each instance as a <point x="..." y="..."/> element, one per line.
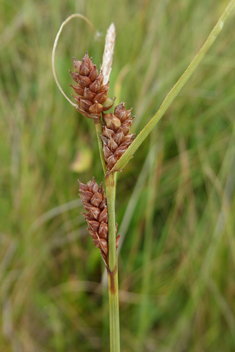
<point x="92" y="94"/>
<point x="95" y="203"/>
<point x="116" y="135"/>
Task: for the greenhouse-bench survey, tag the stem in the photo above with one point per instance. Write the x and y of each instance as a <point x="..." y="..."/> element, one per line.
<point x="114" y="311"/>
<point x="113" y="265"/>
<point x="110" y="194"/>
<point x="98" y="133"/>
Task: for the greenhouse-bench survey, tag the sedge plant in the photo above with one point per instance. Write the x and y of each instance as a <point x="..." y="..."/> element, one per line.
<point x="116" y="146"/>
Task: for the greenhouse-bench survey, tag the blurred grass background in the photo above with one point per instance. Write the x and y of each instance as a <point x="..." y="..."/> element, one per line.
<point x="175" y="199"/>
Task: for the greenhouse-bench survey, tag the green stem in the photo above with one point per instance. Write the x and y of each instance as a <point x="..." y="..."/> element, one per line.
<point x="98" y="129"/>
<point x="110" y="194"/>
<point x="175" y="90"/>
<point x="113" y="265"/>
<point x="114" y="311"/>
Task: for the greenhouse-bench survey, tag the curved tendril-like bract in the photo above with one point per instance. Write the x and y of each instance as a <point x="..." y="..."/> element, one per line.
<point x="68" y="19"/>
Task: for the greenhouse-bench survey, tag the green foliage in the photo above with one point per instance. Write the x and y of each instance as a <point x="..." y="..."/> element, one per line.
<point x="175" y="198"/>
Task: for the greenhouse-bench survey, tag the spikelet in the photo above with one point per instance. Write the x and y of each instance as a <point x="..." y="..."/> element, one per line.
<point x="95" y="203"/>
<point x="92" y="94"/>
<point x="116" y="135"/>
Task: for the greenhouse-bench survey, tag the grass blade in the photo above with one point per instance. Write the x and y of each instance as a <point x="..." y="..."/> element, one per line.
<point x="175" y="90"/>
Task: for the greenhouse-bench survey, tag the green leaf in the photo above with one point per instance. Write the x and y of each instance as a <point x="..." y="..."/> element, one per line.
<point x="175" y="90"/>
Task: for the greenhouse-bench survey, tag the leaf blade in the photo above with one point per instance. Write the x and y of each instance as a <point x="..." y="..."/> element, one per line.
<point x="175" y="90"/>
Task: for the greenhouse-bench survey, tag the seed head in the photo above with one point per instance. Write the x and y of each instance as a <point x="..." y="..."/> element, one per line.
<point x="116" y="135"/>
<point x="95" y="203"/>
<point x="92" y="96"/>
